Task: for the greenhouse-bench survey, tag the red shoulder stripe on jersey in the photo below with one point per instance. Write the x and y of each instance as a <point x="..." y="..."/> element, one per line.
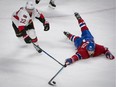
<point x="16" y="17"/>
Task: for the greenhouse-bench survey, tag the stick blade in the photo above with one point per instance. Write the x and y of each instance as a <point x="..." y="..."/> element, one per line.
<point x="52" y="84"/>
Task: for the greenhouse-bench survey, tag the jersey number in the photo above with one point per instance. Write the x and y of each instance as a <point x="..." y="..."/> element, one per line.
<point x="84" y="45"/>
<point x="23" y="21"/>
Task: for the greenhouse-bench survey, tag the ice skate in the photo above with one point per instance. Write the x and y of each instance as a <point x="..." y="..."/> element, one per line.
<point x="52" y="4"/>
<point x="66" y="33"/>
<point x="77" y="15"/>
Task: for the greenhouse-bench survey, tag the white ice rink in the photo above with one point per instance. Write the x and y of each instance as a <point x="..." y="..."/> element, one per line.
<point x="22" y="66"/>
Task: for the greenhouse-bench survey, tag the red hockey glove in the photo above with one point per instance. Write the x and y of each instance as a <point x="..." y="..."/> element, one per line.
<point x="46" y="26"/>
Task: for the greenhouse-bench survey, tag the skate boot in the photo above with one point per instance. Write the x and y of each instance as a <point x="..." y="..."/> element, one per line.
<point x="37" y="1"/>
<point x="66" y="33"/>
<point x="52" y="4"/>
<point x="77" y="15"/>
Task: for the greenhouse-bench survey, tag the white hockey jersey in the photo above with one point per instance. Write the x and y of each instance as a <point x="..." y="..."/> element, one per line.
<point x="22" y="18"/>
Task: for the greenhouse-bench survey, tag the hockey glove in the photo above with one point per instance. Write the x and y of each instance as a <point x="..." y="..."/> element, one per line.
<point x="68" y="61"/>
<point x="37" y="1"/>
<point x="27" y="39"/>
<point x="46" y="26"/>
<point x="109" y="55"/>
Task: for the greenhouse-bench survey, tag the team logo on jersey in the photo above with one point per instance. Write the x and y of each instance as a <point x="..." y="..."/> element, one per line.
<point x="24" y="16"/>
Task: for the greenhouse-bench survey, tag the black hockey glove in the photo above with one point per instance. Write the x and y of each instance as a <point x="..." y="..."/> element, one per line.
<point x="46" y="26"/>
<point x="27" y="39"/>
<point x="37" y="1"/>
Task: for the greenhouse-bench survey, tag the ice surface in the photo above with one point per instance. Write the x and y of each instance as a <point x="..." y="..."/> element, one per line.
<point x="22" y="66"/>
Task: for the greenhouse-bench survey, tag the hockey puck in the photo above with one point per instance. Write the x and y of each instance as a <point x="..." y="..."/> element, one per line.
<point x="54" y="82"/>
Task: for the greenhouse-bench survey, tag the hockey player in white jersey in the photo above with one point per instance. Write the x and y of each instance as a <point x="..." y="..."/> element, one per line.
<point x="51" y="3"/>
<point x="22" y="23"/>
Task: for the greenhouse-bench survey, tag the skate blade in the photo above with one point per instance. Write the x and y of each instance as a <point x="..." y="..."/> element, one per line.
<point x="51" y="6"/>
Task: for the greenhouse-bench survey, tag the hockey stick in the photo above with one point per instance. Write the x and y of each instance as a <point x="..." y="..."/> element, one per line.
<point x="51" y="82"/>
<point x="38" y="48"/>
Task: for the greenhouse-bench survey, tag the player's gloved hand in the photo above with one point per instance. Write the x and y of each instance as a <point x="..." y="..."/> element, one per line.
<point x="37" y="1"/>
<point x="27" y="39"/>
<point x="68" y="62"/>
<point x="109" y="55"/>
<point x="46" y="26"/>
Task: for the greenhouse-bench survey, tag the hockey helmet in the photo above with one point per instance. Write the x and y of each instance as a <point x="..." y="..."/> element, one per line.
<point x="91" y="46"/>
<point x="30" y="5"/>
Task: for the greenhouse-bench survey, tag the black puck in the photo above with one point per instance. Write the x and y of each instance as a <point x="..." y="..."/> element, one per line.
<point x="54" y="82"/>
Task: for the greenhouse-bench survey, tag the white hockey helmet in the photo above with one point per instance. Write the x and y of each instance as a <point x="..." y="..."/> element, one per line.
<point x="30" y="5"/>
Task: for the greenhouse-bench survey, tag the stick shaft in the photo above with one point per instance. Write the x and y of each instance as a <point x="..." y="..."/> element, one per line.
<point x="49" y="55"/>
<point x="56" y="74"/>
